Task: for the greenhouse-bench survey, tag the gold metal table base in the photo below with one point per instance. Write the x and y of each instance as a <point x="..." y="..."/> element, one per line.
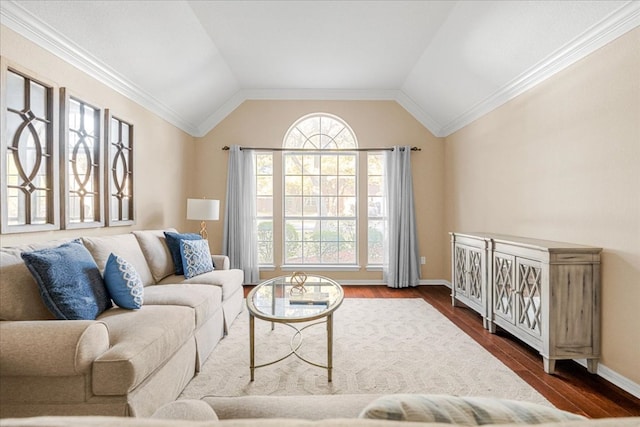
<point x="295" y="346"/>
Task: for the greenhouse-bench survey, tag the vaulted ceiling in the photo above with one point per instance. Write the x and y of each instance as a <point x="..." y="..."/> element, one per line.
<point x="446" y="62"/>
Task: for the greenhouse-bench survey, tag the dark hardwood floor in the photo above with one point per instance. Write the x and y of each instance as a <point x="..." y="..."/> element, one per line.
<point x="571" y="388"/>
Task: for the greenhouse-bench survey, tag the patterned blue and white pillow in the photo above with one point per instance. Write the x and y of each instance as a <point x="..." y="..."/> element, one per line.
<point x="123" y="283"/>
<point x="196" y="258"/>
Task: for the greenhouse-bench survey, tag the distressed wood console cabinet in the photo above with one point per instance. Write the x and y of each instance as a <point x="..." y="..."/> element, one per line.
<point x="545" y="293"/>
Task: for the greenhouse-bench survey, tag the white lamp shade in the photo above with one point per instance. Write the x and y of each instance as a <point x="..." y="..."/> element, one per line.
<point x="203" y="209"/>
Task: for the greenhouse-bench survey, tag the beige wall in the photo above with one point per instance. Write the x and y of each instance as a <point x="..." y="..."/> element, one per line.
<point x="375" y="123"/>
<point x="163" y="153"/>
<point x="562" y="162"/>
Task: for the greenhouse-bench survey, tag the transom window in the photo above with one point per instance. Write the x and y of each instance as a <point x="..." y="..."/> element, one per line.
<point x="320" y="202"/>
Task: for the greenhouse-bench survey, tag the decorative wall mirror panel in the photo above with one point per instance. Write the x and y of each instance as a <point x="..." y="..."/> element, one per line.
<point x="82" y="164"/>
<point x="29" y="153"/>
<point x="119" y="174"/>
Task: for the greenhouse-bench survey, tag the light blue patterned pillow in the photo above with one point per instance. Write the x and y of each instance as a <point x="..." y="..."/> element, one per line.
<point x="196" y="258"/>
<point x="69" y="281"/>
<point x="123" y="283"/>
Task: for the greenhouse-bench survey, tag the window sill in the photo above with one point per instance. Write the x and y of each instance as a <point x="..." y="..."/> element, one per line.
<point x="374" y="267"/>
<point x="267" y="267"/>
<point x="315" y="267"/>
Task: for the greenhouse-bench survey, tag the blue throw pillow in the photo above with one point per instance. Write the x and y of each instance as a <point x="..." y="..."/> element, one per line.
<point x="69" y="281"/>
<point x="123" y="283"/>
<point x="173" y="243"/>
<point x="196" y="258"/>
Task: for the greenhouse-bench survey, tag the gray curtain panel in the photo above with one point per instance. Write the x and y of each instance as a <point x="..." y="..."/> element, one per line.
<point x="401" y="265"/>
<point x="240" y="237"/>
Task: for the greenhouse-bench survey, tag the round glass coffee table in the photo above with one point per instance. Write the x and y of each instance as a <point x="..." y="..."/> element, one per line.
<point x="283" y="300"/>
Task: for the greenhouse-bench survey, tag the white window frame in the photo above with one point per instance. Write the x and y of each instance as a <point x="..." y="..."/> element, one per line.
<point x="321" y="151"/>
<point x="270" y="265"/>
<point x="373" y="266"/>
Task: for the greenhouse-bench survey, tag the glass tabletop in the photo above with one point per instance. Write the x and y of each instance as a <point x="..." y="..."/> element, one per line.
<point x="279" y="299"/>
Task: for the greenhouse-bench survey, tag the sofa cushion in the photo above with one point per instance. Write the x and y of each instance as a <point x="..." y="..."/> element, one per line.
<point x="205" y="300"/>
<point x="155" y="250"/>
<point x="123" y="283"/>
<point x="196" y="258"/>
<point x="69" y="281"/>
<point x="124" y="245"/>
<point x="141" y="342"/>
<point x="173" y="243"/>
<point x="229" y="280"/>
<point x="468" y="411"/>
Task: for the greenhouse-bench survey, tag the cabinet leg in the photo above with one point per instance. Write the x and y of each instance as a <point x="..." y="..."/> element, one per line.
<point x="592" y="366"/>
<point x="549" y="365"/>
<point x="491" y="326"/>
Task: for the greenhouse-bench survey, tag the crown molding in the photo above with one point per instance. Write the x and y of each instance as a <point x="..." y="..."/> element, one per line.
<point x="317" y="95"/>
<point x="616" y="24"/>
<point x="219" y="115"/>
<point x="419" y="114"/>
<point x="29" y="26"/>
<point x="322" y="94"/>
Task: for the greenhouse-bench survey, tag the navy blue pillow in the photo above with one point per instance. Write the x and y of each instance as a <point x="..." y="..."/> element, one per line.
<point x="69" y="281"/>
<point x="173" y="243"/>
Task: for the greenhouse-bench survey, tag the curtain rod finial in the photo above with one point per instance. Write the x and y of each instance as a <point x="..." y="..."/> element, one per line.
<point x="225" y="148"/>
<point x="416" y="149"/>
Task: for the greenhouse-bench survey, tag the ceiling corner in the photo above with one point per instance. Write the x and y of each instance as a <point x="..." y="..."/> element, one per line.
<point x="35" y="30"/>
<point x="616" y="24"/>
<point x="419" y="114"/>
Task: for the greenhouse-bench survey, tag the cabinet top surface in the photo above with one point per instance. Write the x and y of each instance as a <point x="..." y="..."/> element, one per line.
<point x="547" y="245"/>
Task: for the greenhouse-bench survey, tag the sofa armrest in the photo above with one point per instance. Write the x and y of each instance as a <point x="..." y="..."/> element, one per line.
<point x="221" y="262"/>
<point x="50" y="347"/>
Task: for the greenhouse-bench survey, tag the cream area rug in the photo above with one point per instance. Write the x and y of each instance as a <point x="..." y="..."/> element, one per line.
<point x="381" y="346"/>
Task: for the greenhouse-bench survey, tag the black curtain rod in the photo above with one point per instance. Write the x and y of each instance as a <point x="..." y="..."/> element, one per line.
<point x="226" y="148"/>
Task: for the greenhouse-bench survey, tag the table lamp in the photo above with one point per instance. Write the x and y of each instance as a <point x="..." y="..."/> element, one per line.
<point x="203" y="210"/>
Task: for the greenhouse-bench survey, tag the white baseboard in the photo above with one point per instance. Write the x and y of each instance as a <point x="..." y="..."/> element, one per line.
<point x="615" y="378"/>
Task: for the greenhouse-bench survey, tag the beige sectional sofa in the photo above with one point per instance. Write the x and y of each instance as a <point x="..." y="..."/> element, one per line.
<point x="124" y="363"/>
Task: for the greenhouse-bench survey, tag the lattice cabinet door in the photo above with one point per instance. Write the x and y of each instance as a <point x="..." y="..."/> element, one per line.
<point x="528" y="301"/>
<point x="469" y="273"/>
<point x="504" y="290"/>
<point x="460" y="269"/>
<point x="474" y="276"/>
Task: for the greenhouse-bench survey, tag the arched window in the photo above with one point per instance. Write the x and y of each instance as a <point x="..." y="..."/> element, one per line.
<point x="320" y="197"/>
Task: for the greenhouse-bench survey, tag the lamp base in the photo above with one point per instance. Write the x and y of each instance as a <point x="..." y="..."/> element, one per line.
<point x="203" y="230"/>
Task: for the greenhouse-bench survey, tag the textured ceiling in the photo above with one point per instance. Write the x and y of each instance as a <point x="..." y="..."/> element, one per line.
<point x="446" y="62"/>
